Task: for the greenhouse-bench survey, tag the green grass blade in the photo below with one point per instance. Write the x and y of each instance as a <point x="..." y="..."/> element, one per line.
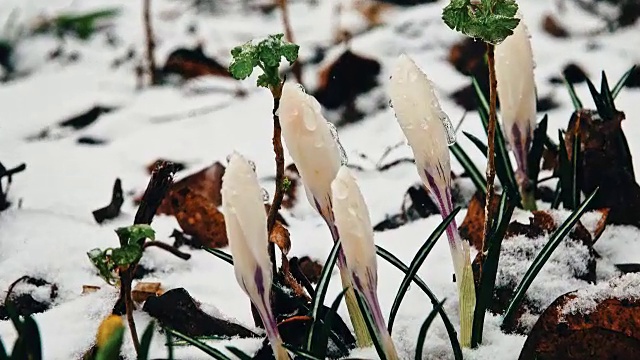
<point x="239" y="353"/>
<point x="416" y="263"/>
<point x="537" y="148"/>
<point x="543" y="256"/>
<point x="575" y="180"/>
<point x="3" y="351"/>
<point x="557" y="196"/>
<point x="423" y="330"/>
<point x="451" y="331"/>
<point x="216" y="354"/>
<point x="621" y="82"/>
<point x="321" y="292"/>
<point x="368" y="319"/>
<point x="321" y="343"/>
<point x="145" y="341"/>
<point x="32" y="339"/>
<point x="301" y="353"/>
<point x="490" y="267"/>
<point x="470" y="168"/>
<point x="219" y="254"/>
<point x="605" y="92"/>
<point x="111" y="349"/>
<point x="482" y="100"/>
<point x="169" y="344"/>
<point x="575" y="100"/>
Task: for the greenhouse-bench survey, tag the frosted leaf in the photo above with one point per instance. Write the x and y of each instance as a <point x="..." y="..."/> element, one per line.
<point x="265" y="195"/>
<point x="448" y="128"/>
<point x="344" y="159"/>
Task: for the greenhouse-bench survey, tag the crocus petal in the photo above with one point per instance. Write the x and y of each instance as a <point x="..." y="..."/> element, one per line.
<point x="516" y="90"/>
<point x="246" y="225"/>
<point x="312" y="147"/>
<point x="422" y="121"/>
<point x="356" y="234"/>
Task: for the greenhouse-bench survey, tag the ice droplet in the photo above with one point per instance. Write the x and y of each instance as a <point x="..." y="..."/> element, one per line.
<point x="448" y="128"/>
<point x="265" y="195"/>
<point x="344" y="159"/>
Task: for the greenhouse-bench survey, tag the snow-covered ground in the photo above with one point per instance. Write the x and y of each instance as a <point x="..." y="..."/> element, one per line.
<point x="49" y="235"/>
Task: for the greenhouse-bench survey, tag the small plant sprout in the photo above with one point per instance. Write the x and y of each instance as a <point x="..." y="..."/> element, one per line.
<point x="318" y="157"/>
<point x="429" y="132"/>
<point x="517" y="93"/>
<point x="246" y="225"/>
<point x="356" y="234"/>
<point x="266" y="55"/>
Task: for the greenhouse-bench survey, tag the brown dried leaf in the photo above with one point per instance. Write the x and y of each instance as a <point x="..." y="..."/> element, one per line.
<point x="144" y="290"/>
<point x="610" y="331"/>
<point x="88" y="289"/>
<point x="280" y="236"/>
<point x="601" y="225"/>
<point x="472" y="227"/>
<point x="553" y="28"/>
<point x="201" y="219"/>
<point x="206" y="183"/>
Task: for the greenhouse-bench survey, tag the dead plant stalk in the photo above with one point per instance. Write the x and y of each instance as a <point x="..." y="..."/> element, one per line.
<point x="151" y="44"/>
<point x="279" y="152"/>
<point x="296" y="68"/>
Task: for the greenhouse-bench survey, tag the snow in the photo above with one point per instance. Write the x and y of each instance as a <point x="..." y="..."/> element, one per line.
<point x="626" y="287"/>
<point x="202" y="122"/>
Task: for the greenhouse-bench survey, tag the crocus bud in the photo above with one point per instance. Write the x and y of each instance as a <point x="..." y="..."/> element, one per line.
<point x="429" y="132"/>
<point x="517" y="93"/>
<point x="246" y="224"/>
<point x="308" y="138"/>
<point x="356" y="235"/>
<point x="312" y="144"/>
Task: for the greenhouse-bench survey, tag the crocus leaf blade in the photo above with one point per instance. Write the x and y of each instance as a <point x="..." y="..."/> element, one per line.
<point x="537" y="148"/>
<point x="470" y="168"/>
<point x="621" y="82"/>
<point x="220" y="255"/>
<point x="544" y="255"/>
<point x="425" y="327"/>
<point x="214" y="353"/>
<point x="145" y="341"/>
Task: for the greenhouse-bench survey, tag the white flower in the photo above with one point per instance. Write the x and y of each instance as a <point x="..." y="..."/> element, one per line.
<point x="246" y="225"/>
<point x="517" y="91"/>
<point x="312" y="147"/>
<point x="356" y="235"/>
<point x="423" y="123"/>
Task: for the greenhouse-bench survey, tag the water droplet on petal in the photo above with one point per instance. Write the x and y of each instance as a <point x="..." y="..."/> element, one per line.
<point x="265" y="196"/>
<point x="448" y="128"/>
<point x="252" y="164"/>
<point x="344" y="159"/>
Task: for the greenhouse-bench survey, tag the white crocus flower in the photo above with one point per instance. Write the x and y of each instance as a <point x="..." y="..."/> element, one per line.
<point x="517" y="94"/>
<point x="317" y="155"/>
<point x="428" y="131"/>
<point x="246" y="225"/>
<point x="356" y="235"/>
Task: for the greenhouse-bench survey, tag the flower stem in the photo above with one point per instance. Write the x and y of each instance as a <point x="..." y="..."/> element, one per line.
<point x="151" y="44"/>
<point x="279" y="192"/>
<point x="491" y="168"/>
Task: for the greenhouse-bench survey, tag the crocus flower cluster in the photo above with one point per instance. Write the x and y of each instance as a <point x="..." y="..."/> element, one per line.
<point x="517" y="93"/>
<point x="425" y="126"/>
<point x="246" y="225"/>
<point x="316" y="153"/>
<point x="356" y="234"/>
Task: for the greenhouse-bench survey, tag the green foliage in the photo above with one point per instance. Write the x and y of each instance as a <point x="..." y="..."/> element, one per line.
<point x="537" y="148"/>
<point x="497" y="231"/>
<point x="145" y="341"/>
<point x="130" y="251"/>
<point x="81" y="25"/>
<point x="371" y="326"/>
<point x="489" y="20"/>
<point x="286" y="184"/>
<point x="111" y="350"/>
<point x="423" y="329"/>
<point x="621" y="82"/>
<point x="266" y="55"/>
<point x="28" y="345"/>
<point x="543" y="256"/>
<point x="214" y="353"/>
<point x="470" y="168"/>
<point x="417" y="261"/>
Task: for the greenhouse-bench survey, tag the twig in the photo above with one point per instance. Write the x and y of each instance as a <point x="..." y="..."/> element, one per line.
<point x="491" y="168"/>
<point x="167" y="247"/>
<point x="296" y="67"/>
<point x="279" y="193"/>
<point x="13" y="284"/>
<point x="151" y="44"/>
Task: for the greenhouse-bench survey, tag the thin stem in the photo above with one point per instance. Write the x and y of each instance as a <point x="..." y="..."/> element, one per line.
<point x="279" y="193"/>
<point x="167" y="247"/>
<point x="126" y="278"/>
<point x="491" y="168"/>
<point x="151" y="44"/>
<point x="288" y="34"/>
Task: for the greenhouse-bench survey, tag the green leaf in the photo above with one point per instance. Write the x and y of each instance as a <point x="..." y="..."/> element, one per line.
<point x="145" y="341"/>
<point x="245" y="58"/>
<point x="605" y="110"/>
<point x="543" y="256"/>
<point x="126" y="255"/>
<point x="3" y="351"/>
<point x="491" y="20"/>
<point x="557" y="196"/>
<point x="575" y="100"/>
<point x="621" y="82"/>
<point x="490" y="267"/>
<point x="219" y="254"/>
<point x="216" y="354"/>
<point x="169" y="344"/>
<point x="111" y="349"/>
<point x="301" y="353"/>
<point x="290" y="52"/>
<point x="451" y="331"/>
<point x="423" y="329"/>
<point x="318" y="299"/>
<point x="239" y="353"/>
<point x="135" y="233"/>
<point x="103" y="264"/>
<point x="417" y="261"/>
<point x="537" y="148"/>
<point x="470" y="168"/>
<point x="32" y="340"/>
